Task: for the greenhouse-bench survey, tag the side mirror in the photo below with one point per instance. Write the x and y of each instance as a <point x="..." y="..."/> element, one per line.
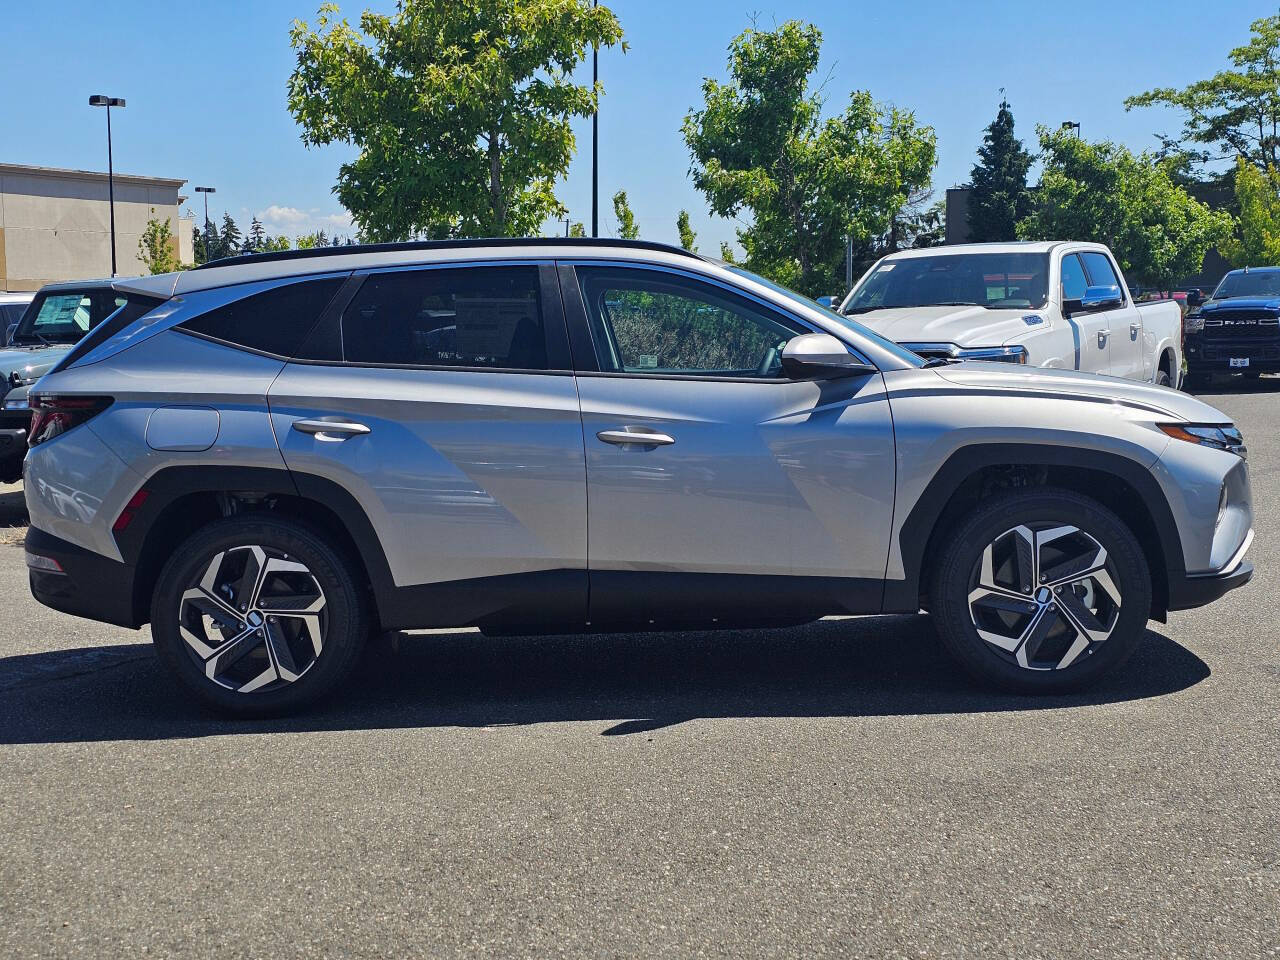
<point x="1101" y="298"/>
<point x="831" y="303"/>
<point x="820" y="356"/>
<point x="1195" y="298"/>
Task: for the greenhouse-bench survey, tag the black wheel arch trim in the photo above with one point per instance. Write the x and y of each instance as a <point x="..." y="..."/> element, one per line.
<point x="917" y="529"/>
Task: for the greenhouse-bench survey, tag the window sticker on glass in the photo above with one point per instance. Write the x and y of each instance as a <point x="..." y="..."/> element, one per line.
<point x="648" y="361"/>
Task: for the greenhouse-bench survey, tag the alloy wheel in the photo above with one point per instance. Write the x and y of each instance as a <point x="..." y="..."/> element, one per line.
<point x="1044" y="595"/>
<point x="255" y="620"/>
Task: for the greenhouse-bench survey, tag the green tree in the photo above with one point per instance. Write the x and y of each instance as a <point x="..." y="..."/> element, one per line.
<point x="256" y="239"/>
<point x="687" y="236"/>
<point x="577" y="230"/>
<point x="1104" y="193"/>
<point x="229" y="239"/>
<point x="158" y="247"/>
<point x="1257" y="243"/>
<point x="627" y="229"/>
<point x="460" y="110"/>
<point x="999" y="198"/>
<point x="1236" y="113"/>
<point x="309" y="241"/>
<point x="759" y="146"/>
<point x="726" y="252"/>
<point x="270" y="244"/>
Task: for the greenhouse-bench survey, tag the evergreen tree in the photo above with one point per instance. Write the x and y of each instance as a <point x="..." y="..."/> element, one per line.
<point x="256" y="240"/>
<point x="999" y="198"/>
<point x="229" y="241"/>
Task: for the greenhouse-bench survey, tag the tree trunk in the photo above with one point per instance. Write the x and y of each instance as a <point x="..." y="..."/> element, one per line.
<point x="498" y="205"/>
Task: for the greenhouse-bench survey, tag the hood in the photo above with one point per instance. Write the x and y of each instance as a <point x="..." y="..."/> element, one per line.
<point x="1160" y="400"/>
<point x="29" y="363"/>
<point x="1211" y="307"/>
<point x="963" y="326"/>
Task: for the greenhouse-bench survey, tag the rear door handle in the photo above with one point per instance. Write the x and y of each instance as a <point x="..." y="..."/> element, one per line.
<point x="1102" y="337"/>
<point x="331" y="430"/>
<point x="1133" y="331"/>
<point x="642" y="436"/>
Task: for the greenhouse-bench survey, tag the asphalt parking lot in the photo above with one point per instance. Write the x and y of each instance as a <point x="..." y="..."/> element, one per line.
<point x="832" y="790"/>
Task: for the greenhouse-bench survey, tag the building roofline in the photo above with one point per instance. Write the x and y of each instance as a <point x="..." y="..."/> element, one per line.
<point x="56" y="173"/>
<point x="479" y="244"/>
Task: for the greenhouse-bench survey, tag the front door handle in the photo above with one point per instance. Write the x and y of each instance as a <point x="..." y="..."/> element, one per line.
<point x="1133" y="331"/>
<point x="331" y="430"/>
<point x="641" y="436"/>
<point x="1102" y="338"/>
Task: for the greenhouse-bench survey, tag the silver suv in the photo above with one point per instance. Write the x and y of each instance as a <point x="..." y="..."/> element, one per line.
<point x="271" y="457"/>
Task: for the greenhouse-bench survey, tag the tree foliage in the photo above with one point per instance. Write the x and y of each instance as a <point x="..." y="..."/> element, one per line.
<point x="999" y="198"/>
<point x="759" y="146"/>
<point x="157" y="247"/>
<point x="688" y="239"/>
<point x="1104" y="193"/>
<point x="1257" y="242"/>
<point x="1235" y="112"/>
<point x="627" y="229"/>
<point x="460" y="109"/>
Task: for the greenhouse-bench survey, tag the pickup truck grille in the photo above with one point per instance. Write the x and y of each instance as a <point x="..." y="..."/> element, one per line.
<point x="1232" y="325"/>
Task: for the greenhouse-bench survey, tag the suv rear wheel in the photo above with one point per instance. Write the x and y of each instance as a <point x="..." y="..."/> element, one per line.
<point x="258" y="615"/>
<point x="1041" y="591"/>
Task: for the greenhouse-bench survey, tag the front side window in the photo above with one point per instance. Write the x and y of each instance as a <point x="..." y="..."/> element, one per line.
<point x="65" y="317"/>
<point x="489" y="317"/>
<point x="648" y="321"/>
<point x="1101" y="273"/>
<point x="1073" y="280"/>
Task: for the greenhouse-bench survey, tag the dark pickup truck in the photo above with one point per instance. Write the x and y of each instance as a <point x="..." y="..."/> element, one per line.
<point x="1237" y="330"/>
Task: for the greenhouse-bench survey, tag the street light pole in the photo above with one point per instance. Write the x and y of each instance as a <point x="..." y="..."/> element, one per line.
<point x="99" y="100"/>
<point x="595" y="139"/>
<point x="1071" y="125"/>
<point x="206" y="191"/>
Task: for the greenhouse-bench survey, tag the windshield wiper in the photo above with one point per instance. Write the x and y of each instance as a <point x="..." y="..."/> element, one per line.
<point x="957" y="303"/>
<point x="940" y="362"/>
<point x="25" y="338"/>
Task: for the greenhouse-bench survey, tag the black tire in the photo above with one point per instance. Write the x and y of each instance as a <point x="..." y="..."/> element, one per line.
<point x="345" y="618"/>
<point x="958" y="564"/>
<point x="1162" y="379"/>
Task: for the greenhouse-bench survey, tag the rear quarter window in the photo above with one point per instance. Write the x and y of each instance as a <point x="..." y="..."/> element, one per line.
<point x="275" y="321"/>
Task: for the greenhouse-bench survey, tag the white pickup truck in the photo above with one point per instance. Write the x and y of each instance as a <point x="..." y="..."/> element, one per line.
<point x="1048" y="304"/>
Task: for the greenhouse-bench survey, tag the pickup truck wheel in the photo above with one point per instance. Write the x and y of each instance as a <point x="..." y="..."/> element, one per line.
<point x="258" y="615"/>
<point x="1041" y="591"/>
<point x="1162" y="379"/>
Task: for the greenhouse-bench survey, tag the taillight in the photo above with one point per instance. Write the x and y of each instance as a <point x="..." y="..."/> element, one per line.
<point x="133" y="506"/>
<point x="53" y="415"/>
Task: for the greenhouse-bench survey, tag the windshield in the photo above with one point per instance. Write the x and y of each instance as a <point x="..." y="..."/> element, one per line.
<point x="905" y="355"/>
<point x="1257" y="283"/>
<point x="64" y="316"/>
<point x="996" y="281"/>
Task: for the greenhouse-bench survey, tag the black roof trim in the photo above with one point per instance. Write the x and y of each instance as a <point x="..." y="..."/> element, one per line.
<point x="586" y="242"/>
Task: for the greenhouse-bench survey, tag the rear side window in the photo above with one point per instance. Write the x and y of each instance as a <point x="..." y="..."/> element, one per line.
<point x="1101" y="273"/>
<point x="452" y="317"/>
<point x="135" y="307"/>
<point x="275" y="321"/>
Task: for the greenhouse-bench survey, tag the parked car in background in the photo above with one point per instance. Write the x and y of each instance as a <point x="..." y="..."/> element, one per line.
<point x="1237" y="330"/>
<point x="291" y="450"/>
<point x="54" y="321"/>
<point x="12" y="307"/>
<point x="1062" y="305"/>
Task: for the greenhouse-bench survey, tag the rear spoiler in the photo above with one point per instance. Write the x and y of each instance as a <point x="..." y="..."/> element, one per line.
<point x="160" y="286"/>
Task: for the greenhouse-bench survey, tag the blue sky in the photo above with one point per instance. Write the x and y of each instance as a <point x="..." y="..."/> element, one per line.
<point x="205" y="84"/>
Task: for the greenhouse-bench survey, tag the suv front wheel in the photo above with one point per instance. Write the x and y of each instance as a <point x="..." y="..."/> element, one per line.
<point x="258" y="615"/>
<point x="1041" y="591"/>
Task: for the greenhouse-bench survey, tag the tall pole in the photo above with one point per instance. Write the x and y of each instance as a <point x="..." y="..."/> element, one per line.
<point x="111" y="192"/>
<point x="595" y="139"/>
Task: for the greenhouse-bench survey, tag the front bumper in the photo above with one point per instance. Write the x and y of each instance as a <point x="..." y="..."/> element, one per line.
<point x="90" y="585"/>
<point x="1197" y="591"/>
<point x="1215" y="356"/>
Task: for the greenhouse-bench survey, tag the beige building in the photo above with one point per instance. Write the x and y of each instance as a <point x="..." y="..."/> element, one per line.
<point x="54" y="224"/>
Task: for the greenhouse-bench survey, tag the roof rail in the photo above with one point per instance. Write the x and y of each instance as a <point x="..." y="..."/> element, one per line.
<point x="356" y="248"/>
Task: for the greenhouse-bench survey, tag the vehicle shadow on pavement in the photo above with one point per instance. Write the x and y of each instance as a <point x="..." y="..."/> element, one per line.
<point x="635" y="683"/>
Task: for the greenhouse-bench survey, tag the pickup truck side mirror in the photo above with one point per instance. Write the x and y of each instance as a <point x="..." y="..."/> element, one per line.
<point x="1096" y="298"/>
<point x="1195" y="298"/>
<point x="820" y="356"/>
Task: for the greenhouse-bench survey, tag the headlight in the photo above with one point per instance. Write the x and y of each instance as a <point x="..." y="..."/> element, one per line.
<point x="1193" y="323"/>
<point x="1219" y="436"/>
<point x="19" y="404"/>
<point x="1002" y="354"/>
